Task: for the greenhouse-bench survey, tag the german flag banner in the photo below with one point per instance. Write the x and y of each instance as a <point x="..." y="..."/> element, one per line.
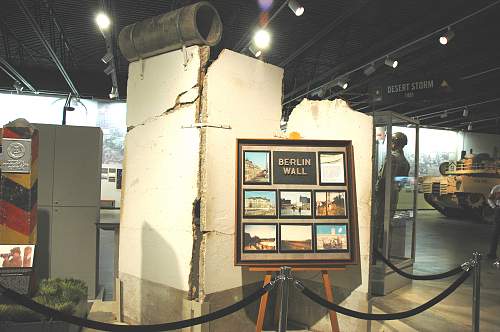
<point x="18" y="185"/>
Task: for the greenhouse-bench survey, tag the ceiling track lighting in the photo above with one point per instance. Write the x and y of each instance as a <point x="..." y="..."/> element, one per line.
<point x="254" y="50"/>
<point x="370" y="69"/>
<point x="114" y="93"/>
<point x="446" y="37"/>
<point x="18" y="86"/>
<point x="469" y="127"/>
<point x="262" y="39"/>
<point x="107" y="57"/>
<point x="102" y="20"/>
<point x="444" y="115"/>
<point x="296" y="7"/>
<point x="391" y="62"/>
<point x="342" y="83"/>
<point x="109" y="69"/>
<point x="466" y="112"/>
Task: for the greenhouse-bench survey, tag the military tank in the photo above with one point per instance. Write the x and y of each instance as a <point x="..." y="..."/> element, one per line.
<point x="463" y="188"/>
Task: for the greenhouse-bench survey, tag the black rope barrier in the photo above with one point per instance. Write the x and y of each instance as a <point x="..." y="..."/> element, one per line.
<point x="447" y="274"/>
<point x="366" y="316"/>
<point x="57" y="315"/>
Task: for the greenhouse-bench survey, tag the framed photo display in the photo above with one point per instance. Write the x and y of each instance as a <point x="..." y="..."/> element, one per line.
<point x="295" y="203"/>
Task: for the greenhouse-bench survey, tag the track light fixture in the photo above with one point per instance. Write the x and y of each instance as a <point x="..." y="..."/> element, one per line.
<point x="342" y="83"/>
<point x="109" y="69"/>
<point x="446" y="37"/>
<point x="114" y="93"/>
<point x="370" y="69"/>
<point x="444" y="115"/>
<point x="295" y="7"/>
<point x="469" y="127"/>
<point x="391" y="63"/>
<point x="18" y="86"/>
<point x="107" y="57"/>
<point x="262" y="39"/>
<point x="254" y="50"/>
<point x="466" y="112"/>
<point x="103" y="21"/>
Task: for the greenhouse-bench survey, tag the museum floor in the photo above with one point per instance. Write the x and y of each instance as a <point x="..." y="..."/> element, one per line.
<point x="442" y="244"/>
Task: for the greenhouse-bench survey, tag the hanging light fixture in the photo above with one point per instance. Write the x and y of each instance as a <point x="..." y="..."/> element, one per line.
<point x="370" y="69"/>
<point x="469" y="127"/>
<point x="18" y="86"/>
<point x="446" y="37"/>
<point x="103" y="21"/>
<point x="391" y="62"/>
<point x="466" y="112"/>
<point x="296" y="7"/>
<point x="342" y="83"/>
<point x="254" y="50"/>
<point x="114" y="93"/>
<point x="262" y="39"/>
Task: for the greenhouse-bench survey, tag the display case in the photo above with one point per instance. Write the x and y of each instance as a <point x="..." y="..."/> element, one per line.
<point x="394" y="198"/>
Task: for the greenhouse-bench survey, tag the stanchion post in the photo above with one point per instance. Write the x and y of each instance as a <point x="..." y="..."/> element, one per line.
<point x="476" y="291"/>
<point x="285" y="277"/>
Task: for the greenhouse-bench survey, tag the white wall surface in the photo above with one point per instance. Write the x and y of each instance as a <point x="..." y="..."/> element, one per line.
<point x="108" y="189"/>
<point x="245" y="93"/>
<point x="480" y="143"/>
<point x="160" y="172"/>
<point x="164" y="78"/>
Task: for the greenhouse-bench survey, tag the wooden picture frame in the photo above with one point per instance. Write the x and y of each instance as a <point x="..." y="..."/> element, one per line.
<point x="318" y="256"/>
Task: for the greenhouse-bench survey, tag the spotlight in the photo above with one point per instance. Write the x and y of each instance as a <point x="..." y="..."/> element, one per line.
<point x="296" y="8"/>
<point x="255" y="51"/>
<point x="370" y="69"/>
<point x="444" y="115"/>
<point x="391" y="63"/>
<point x="114" y="93"/>
<point x="109" y="69"/>
<point x="466" y="112"/>
<point x="342" y="83"/>
<point x="18" y="86"/>
<point x="103" y="21"/>
<point x="262" y="39"/>
<point x="107" y="57"/>
<point x="446" y="37"/>
<point x="469" y="127"/>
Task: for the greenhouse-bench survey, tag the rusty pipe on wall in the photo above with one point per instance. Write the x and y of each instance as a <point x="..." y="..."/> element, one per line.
<point x="197" y="24"/>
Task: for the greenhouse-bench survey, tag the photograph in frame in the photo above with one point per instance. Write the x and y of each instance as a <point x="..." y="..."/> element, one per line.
<point x="330" y="204"/>
<point x="256" y="167"/>
<point x="259" y="204"/>
<point x="331" y="237"/>
<point x="17" y="255"/>
<point x="260" y="237"/>
<point x="296" y="238"/>
<point x="295" y="204"/>
<point x="332" y="168"/>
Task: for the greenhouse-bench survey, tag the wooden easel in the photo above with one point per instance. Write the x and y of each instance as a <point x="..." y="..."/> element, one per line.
<point x="326" y="284"/>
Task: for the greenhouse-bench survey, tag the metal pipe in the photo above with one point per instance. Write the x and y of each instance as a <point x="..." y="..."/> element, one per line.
<point x="47" y="46"/>
<point x="476" y="291"/>
<point x="285" y="276"/>
<point x="197" y="24"/>
<point x="17" y="75"/>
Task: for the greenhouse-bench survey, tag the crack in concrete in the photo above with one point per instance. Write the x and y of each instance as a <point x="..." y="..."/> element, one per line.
<point x="217" y="232"/>
<point x="177" y="106"/>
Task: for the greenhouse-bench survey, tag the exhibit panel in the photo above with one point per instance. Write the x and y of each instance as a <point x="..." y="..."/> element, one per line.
<point x="296" y="204"/>
<point x="394" y="198"/>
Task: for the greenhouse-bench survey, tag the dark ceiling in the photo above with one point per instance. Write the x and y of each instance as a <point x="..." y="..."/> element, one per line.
<point x="334" y="38"/>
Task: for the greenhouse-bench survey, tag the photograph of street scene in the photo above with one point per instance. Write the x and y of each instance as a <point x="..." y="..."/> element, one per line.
<point x="260" y="203"/>
<point x="295" y="237"/>
<point x="258" y="237"/>
<point x="331" y="167"/>
<point x="331" y="237"/>
<point x="256" y="167"/>
<point x="295" y="204"/>
<point x="330" y="203"/>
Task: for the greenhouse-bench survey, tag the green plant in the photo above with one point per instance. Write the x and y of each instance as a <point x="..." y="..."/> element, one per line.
<point x="60" y="294"/>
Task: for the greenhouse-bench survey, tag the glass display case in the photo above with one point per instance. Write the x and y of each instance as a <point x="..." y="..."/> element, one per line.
<point x="394" y="198"/>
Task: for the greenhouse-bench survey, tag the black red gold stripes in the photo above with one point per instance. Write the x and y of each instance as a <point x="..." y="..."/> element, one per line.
<point x="18" y="203"/>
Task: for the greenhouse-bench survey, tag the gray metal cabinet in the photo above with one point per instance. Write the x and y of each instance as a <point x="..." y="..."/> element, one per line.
<point x="69" y="188"/>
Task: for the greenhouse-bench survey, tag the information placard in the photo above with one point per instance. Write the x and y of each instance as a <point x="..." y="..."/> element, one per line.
<point x="295" y="203"/>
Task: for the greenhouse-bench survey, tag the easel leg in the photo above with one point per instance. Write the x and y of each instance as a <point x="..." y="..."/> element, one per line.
<point x="263" y="304"/>
<point x="329" y="297"/>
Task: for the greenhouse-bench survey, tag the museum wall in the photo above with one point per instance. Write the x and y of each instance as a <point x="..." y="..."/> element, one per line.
<point x="334" y="120"/>
<point x="160" y="185"/>
<point x="480" y="143"/>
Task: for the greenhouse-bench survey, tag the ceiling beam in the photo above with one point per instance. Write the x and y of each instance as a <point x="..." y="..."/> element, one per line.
<point x="36" y="28"/>
<point x="16" y="74"/>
